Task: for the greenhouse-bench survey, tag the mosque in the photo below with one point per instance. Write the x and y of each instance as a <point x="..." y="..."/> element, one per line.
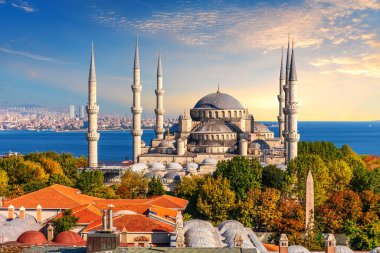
<point x="217" y="128"/>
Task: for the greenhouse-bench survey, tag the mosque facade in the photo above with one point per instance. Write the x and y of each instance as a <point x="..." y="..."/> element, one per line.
<point x="217" y="128"/>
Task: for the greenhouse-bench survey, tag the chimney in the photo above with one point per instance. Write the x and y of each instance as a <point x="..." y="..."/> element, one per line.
<point x="124" y="235"/>
<point x="110" y="220"/>
<point x="104" y="220"/>
<point x="330" y="243"/>
<point x="50" y="233"/>
<point x="39" y="213"/>
<point x="11" y="212"/>
<point x="238" y="241"/>
<point x="283" y="244"/>
<point x="22" y="213"/>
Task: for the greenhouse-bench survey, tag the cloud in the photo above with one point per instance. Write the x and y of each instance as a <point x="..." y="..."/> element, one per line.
<point x="24" y="6"/>
<point x="2" y="1"/>
<point x="31" y="56"/>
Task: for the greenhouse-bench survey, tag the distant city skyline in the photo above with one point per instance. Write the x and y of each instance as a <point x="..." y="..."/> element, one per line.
<point x="45" y="54"/>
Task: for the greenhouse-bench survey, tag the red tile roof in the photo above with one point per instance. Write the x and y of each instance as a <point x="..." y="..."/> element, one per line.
<point x="69" y="238"/>
<point x="134" y="223"/>
<point x="169" y="202"/>
<point x="32" y="238"/>
<point x="271" y="247"/>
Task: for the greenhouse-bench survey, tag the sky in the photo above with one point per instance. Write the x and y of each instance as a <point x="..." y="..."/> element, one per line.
<point x="45" y="54"/>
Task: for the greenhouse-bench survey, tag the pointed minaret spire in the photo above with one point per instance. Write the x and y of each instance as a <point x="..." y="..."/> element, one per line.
<point x="218" y="91"/>
<point x="92" y="111"/>
<point x="292" y="111"/>
<point x="137" y="57"/>
<point x="136" y="108"/>
<point x="286" y="90"/>
<point x="159" y="102"/>
<point x="281" y="99"/>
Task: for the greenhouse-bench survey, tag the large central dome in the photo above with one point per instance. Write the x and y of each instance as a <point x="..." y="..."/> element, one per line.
<point x="218" y="101"/>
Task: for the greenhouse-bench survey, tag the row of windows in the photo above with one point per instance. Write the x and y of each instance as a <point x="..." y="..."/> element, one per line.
<point x="214" y="137"/>
<point x="217" y="114"/>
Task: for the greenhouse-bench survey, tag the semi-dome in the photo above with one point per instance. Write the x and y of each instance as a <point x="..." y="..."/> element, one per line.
<point x="209" y="161"/>
<point x="137" y="167"/>
<point x="254" y="145"/>
<point x="69" y="238"/>
<point x="174" y="166"/>
<point x="343" y="249"/>
<point x="157" y="166"/>
<point x="152" y="174"/>
<point x="297" y="249"/>
<point x="260" y="127"/>
<point x="166" y="144"/>
<point x="32" y="238"/>
<point x="191" y="167"/>
<point x="218" y="101"/>
<point x="213" y="127"/>
<point x="172" y="175"/>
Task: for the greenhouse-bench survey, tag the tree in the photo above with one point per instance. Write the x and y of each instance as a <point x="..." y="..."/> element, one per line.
<point x="104" y="192"/>
<point x="50" y="166"/>
<point x="325" y="150"/>
<point x="60" y="179"/>
<point x="66" y="221"/>
<point x="340" y="173"/>
<point x="242" y="173"/>
<point x="133" y="185"/>
<point x="216" y="200"/>
<point x="155" y="187"/>
<point x="298" y="169"/>
<point x="34" y="185"/>
<point x="273" y="177"/>
<point x="89" y="180"/>
<point x="3" y="182"/>
<point x="267" y="210"/>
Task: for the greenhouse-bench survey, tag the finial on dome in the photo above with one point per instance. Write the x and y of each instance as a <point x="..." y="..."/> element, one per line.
<point x="218" y="91"/>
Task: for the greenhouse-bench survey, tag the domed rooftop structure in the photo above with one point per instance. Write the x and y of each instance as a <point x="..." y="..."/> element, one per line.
<point x="297" y="249"/>
<point x="32" y="238"/>
<point x="213" y="127"/>
<point x="260" y="127"/>
<point x="137" y="167"/>
<point x="228" y="224"/>
<point x="376" y="250"/>
<point x="166" y="144"/>
<point x="152" y="174"/>
<point x="174" y="166"/>
<point x="254" y="145"/>
<point x="191" y="167"/>
<point x="172" y="175"/>
<point x="209" y="161"/>
<point x="157" y="166"/>
<point x="197" y="223"/>
<point x="343" y="249"/>
<point x="218" y="101"/>
<point x="69" y="238"/>
<point x="3" y="219"/>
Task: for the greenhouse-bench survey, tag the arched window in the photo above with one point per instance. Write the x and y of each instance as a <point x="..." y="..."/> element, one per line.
<point x="240" y="114"/>
<point x="210" y="114"/>
<point x="223" y="114"/>
<point x="235" y="114"/>
<point x="216" y="115"/>
<point x="229" y="114"/>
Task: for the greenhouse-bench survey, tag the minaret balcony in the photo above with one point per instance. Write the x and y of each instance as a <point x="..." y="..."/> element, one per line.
<point x="159" y="111"/>
<point x="136" y="132"/>
<point x="280" y="98"/>
<point x="292" y="109"/>
<point x="160" y="130"/>
<point x="286" y="87"/>
<point x="136" y="110"/>
<point x="293" y="137"/>
<point x="92" y="109"/>
<point x="93" y="136"/>
<point x="136" y="88"/>
<point x="280" y="119"/>
<point x="159" y="92"/>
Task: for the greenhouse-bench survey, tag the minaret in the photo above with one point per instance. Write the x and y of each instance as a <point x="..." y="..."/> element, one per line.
<point x="281" y="100"/>
<point x="309" y="221"/>
<point x="92" y="112"/>
<point x="159" y="102"/>
<point x="292" y="111"/>
<point x="286" y="91"/>
<point x="136" y="109"/>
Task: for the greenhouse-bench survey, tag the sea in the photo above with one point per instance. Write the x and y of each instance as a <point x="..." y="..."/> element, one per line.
<point x="116" y="146"/>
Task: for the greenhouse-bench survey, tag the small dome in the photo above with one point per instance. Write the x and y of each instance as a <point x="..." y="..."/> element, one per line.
<point x="137" y="167"/>
<point x="152" y="174"/>
<point x="254" y="145"/>
<point x="166" y="144"/>
<point x="69" y="237"/>
<point x="219" y="101"/>
<point x="157" y="166"/>
<point x="209" y="161"/>
<point x="376" y="250"/>
<point x="172" y="175"/>
<point x="343" y="249"/>
<point x="260" y="127"/>
<point x="191" y="167"/>
<point x="213" y="127"/>
<point x="174" y="166"/>
<point x="297" y="249"/>
<point x="122" y="212"/>
<point x="32" y="238"/>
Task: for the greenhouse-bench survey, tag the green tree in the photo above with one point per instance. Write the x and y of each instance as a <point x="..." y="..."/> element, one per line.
<point x="242" y="173"/>
<point x="104" y="192"/>
<point x="60" y="179"/>
<point x="89" y="180"/>
<point x="34" y="185"/>
<point x="3" y="182"/>
<point x="298" y="169"/>
<point x="216" y="200"/>
<point x="273" y="177"/>
<point x="326" y="150"/>
<point x="340" y="173"/>
<point x="133" y="185"/>
<point x="155" y="187"/>
<point x="66" y="221"/>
